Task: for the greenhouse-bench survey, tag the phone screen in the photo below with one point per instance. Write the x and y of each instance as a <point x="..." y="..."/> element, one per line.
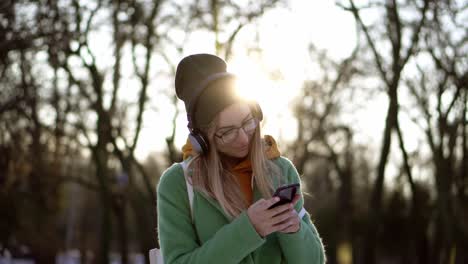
<point x="286" y="194"/>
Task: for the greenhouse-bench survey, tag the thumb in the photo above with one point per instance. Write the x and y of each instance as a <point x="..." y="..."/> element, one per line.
<point x="271" y="201"/>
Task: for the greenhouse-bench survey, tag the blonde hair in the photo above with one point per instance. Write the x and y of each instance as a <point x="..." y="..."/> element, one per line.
<point x="213" y="179"/>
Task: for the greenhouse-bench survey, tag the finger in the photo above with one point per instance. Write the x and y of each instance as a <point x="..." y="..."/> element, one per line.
<point x="290" y="215"/>
<point x="260" y="202"/>
<point x="279" y="209"/>
<point x="290" y="229"/>
<point x="297" y="197"/>
<point x="283" y="217"/>
<point x="283" y="226"/>
<point x="293" y="227"/>
<point x="267" y="203"/>
<point x="286" y="231"/>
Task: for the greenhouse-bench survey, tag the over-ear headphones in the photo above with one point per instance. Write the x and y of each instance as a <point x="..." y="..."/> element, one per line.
<point x="197" y="139"/>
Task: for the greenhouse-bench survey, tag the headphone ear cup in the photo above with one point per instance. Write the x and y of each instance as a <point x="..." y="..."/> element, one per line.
<point x="199" y="144"/>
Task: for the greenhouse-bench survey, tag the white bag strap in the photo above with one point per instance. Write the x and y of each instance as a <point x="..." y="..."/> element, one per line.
<point x="302" y="213"/>
<point x="155" y="254"/>
<point x="185" y="165"/>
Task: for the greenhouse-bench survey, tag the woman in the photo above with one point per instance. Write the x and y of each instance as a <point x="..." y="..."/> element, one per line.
<point x="233" y="172"/>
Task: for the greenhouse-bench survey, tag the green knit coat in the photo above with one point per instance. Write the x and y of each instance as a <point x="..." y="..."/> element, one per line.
<point x="213" y="237"/>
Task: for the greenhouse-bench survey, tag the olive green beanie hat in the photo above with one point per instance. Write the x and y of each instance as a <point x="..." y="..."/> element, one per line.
<point x="206" y="88"/>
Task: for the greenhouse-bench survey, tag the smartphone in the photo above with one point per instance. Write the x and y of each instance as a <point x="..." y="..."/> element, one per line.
<point x="286" y="194"/>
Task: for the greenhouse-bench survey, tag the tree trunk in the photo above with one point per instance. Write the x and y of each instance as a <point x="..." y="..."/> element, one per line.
<point x="120" y="208"/>
<point x="101" y="157"/>
<point x="104" y="195"/>
<point x="444" y="234"/>
<point x="345" y="220"/>
<point x="145" y="222"/>
<point x="375" y="205"/>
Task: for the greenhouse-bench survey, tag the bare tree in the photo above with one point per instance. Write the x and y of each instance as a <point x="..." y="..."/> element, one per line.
<point x="226" y="19"/>
<point x="139" y="30"/>
<point x="439" y="92"/>
<point x="322" y="138"/>
<point x="401" y="36"/>
<point x="85" y="93"/>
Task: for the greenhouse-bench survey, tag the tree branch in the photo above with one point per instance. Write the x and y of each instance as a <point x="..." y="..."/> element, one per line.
<point x="377" y="56"/>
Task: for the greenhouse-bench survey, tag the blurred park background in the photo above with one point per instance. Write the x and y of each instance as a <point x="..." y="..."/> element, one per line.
<point x="367" y="98"/>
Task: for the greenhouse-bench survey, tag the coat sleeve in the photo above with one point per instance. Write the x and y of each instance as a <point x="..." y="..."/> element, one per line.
<point x="177" y="235"/>
<point x="304" y="246"/>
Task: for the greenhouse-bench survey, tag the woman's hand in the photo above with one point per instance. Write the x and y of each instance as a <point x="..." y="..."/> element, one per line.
<point x="293" y="221"/>
<point x="267" y="221"/>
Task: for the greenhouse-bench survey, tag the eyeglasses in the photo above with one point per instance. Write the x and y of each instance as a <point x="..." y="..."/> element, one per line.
<point x="248" y="126"/>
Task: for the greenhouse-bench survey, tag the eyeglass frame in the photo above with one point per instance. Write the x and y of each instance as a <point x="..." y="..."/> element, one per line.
<point x="237" y="128"/>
